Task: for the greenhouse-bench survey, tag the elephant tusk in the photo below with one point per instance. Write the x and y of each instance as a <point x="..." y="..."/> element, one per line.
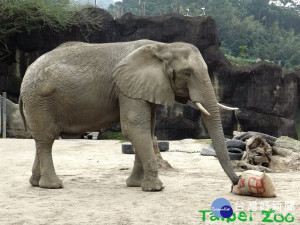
<point x="227" y="107"/>
<point x="202" y="109"/>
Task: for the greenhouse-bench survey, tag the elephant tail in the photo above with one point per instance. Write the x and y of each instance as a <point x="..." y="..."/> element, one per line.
<point x="22" y="112"/>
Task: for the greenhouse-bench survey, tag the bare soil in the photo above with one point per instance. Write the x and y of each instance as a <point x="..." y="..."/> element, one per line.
<point x="94" y="174"/>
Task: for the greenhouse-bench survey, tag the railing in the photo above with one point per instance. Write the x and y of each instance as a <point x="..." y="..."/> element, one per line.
<point x="3" y="115"/>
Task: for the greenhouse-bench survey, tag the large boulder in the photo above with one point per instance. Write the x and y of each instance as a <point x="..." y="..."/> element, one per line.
<point x="15" y="125"/>
<point x="199" y="31"/>
<point x="179" y="122"/>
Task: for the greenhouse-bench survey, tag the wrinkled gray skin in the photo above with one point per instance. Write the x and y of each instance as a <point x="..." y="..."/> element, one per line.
<point x="80" y="87"/>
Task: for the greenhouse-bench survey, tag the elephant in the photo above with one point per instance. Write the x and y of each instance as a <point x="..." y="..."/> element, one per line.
<point x="80" y="87"/>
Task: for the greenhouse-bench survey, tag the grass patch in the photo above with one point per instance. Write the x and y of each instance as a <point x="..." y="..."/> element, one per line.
<point x="109" y="135"/>
<point x="238" y="61"/>
<point x="205" y="141"/>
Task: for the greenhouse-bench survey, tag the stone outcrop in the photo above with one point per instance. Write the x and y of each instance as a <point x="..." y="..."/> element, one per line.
<point x="15" y="125"/>
<point x="267" y="96"/>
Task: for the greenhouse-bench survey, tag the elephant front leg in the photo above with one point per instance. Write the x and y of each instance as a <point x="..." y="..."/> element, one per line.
<point x="137" y="174"/>
<point x="147" y="172"/>
<point x="135" y="118"/>
<point x="161" y="162"/>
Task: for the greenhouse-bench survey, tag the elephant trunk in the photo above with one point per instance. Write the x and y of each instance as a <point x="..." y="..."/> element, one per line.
<point x="215" y="130"/>
<point x="203" y="93"/>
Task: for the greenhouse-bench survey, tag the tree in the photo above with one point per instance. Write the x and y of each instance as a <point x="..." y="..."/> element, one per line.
<point x="268" y="31"/>
<point x="17" y="16"/>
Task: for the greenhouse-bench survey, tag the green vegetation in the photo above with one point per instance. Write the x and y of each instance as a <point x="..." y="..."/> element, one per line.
<point x="238" y="61"/>
<point x="247" y="28"/>
<point x="17" y="16"/>
<point x="113" y="136"/>
<point x="205" y="141"/>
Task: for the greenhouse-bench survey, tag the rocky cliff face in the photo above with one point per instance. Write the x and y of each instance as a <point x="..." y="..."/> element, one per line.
<point x="15" y="125"/>
<point x="267" y="96"/>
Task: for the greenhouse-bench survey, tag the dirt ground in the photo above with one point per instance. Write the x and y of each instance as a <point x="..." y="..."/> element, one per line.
<point x="94" y="174"/>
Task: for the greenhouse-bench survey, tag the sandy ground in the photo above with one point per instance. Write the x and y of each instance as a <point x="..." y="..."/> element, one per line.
<point x="94" y="174"/>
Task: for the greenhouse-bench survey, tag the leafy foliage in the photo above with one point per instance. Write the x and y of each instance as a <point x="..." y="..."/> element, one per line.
<point x="265" y="32"/>
<point x="17" y="16"/>
<point x="238" y="61"/>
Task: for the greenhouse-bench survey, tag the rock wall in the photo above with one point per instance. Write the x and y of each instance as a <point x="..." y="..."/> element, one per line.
<point x="15" y="125"/>
<point x="267" y="96"/>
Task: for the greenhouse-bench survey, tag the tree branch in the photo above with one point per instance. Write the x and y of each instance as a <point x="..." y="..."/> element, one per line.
<point x="7" y="50"/>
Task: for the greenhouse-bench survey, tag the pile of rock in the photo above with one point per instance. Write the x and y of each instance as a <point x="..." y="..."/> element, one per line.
<point x="261" y="152"/>
<point x="238" y="144"/>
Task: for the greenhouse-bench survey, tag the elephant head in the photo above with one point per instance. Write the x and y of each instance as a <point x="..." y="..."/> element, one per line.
<point x="164" y="73"/>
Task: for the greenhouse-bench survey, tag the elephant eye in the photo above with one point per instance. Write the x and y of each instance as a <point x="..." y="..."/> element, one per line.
<point x="187" y="73"/>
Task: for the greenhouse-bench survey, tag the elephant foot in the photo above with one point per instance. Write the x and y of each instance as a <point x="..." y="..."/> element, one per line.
<point x="34" y="180"/>
<point x="135" y="180"/>
<point x="152" y="184"/>
<point x="50" y="182"/>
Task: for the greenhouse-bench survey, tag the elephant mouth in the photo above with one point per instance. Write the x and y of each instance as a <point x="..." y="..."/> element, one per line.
<point x="186" y="91"/>
<point x="181" y="99"/>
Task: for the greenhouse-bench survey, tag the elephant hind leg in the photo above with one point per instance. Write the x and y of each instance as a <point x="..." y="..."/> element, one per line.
<point x="44" y="131"/>
<point x="46" y="176"/>
<point x="36" y="172"/>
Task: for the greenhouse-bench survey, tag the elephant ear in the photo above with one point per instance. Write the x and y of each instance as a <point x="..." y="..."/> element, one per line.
<point x="142" y="75"/>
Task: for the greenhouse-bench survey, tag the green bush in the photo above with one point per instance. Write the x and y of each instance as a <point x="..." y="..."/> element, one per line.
<point x="238" y="61"/>
<point x="17" y="16"/>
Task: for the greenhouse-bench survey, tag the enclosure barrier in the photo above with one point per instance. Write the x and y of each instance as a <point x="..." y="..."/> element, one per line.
<point x="3" y="115"/>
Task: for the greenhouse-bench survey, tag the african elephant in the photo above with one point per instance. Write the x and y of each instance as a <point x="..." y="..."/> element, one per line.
<point x="81" y="87"/>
